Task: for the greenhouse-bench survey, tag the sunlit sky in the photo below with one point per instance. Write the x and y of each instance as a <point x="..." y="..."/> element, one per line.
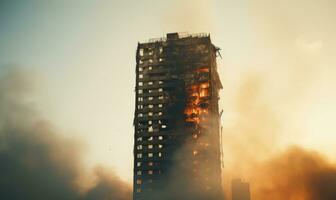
<point x="83" y="53"/>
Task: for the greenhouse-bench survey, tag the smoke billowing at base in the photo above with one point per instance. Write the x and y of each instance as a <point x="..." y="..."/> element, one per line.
<point x="295" y="174"/>
<point x="37" y="163"/>
<point x="253" y="152"/>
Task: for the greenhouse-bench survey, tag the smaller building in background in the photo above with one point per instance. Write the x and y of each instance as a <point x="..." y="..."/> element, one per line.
<point x="240" y="190"/>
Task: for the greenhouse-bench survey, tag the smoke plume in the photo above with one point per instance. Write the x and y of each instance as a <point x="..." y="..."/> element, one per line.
<point x="252" y="143"/>
<point x="277" y="104"/>
<point x="36" y="162"/>
<point x="296" y="174"/>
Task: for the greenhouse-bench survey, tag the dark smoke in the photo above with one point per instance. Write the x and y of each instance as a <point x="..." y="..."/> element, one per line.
<point x="297" y="174"/>
<point x="36" y="162"/>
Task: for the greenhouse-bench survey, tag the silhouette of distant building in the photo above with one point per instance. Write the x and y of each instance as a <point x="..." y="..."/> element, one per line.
<point x="240" y="190"/>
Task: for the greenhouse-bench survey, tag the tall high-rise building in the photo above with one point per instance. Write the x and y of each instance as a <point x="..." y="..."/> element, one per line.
<point x="177" y="139"/>
<point x="240" y="190"/>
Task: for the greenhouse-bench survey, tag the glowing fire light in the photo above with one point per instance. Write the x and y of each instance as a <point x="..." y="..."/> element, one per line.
<point x="195" y="94"/>
<point x="203" y="70"/>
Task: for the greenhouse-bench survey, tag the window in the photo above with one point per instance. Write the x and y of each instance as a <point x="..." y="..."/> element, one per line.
<point x="160" y="146"/>
<point x="150" y="114"/>
<point x="138" y="190"/>
<point x="150" y="163"/>
<point x="164" y="126"/>
<point x="150" y="146"/>
<point x="150" y="83"/>
<point x="140" y="61"/>
<point x="139" y="172"/>
<point x="138" y="181"/>
<point x="160" y="97"/>
<point x="140" y="106"/>
<point x="150" y="122"/>
<point x="150" y="91"/>
<point x="140" y="91"/>
<point x="160" y="155"/>
<point x="150" y="155"/>
<point x="150" y="106"/>
<point x="150" y="98"/>
<point x="140" y="99"/>
<point x="160" y="137"/>
<point x="140" y="114"/>
<point x="140" y="69"/>
<point x="151" y="60"/>
<point x="160" y="89"/>
<point x="150" y="138"/>
<point x="161" y="50"/>
<point x="140" y="75"/>
<point x="150" y="171"/>
<point x="150" y="53"/>
<point x="150" y="67"/>
<point x="139" y="139"/>
<point x="141" y="52"/>
<point x="150" y="129"/>
<point x="160" y="82"/>
<point x="139" y="155"/>
<point x="139" y="147"/>
<point x="160" y="59"/>
<point x="160" y="105"/>
<point x="139" y="131"/>
<point x="138" y="164"/>
<point x="160" y="113"/>
<point x="140" y="83"/>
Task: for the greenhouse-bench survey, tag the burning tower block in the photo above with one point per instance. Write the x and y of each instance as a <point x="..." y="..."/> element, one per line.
<point x="177" y="139"/>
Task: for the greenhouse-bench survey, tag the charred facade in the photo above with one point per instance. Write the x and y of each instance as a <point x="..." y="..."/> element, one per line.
<point x="177" y="138"/>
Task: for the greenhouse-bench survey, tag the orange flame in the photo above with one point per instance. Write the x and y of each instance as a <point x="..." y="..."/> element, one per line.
<point x="195" y="96"/>
<point x="203" y="70"/>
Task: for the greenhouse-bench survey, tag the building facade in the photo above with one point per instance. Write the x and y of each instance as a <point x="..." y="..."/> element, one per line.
<point x="177" y="139"/>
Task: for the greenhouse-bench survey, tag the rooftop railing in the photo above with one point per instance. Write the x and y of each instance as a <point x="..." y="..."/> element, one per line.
<point x="181" y="35"/>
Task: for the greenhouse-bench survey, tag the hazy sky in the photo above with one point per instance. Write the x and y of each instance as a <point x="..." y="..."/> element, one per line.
<point x="83" y="54"/>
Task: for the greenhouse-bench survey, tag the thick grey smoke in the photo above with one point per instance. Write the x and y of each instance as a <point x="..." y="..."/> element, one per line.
<point x="36" y="162"/>
<point x="295" y="174"/>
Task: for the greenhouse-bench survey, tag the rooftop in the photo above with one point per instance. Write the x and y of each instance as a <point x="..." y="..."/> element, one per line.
<point x="174" y="36"/>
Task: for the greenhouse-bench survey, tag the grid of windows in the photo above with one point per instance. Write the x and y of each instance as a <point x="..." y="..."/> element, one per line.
<point x="159" y="81"/>
<point x="150" y="122"/>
